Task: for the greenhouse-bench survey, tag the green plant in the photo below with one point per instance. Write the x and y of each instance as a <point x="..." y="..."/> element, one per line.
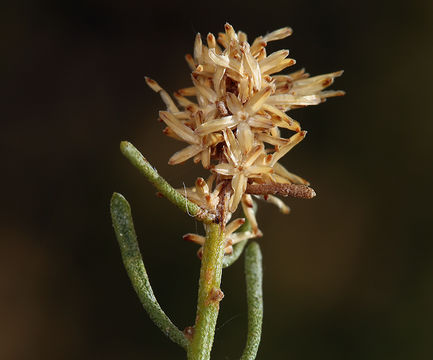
<point x="234" y="131"/>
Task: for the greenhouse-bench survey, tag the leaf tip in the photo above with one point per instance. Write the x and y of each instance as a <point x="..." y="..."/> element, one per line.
<point x="124" y="145"/>
<point x="117" y="201"/>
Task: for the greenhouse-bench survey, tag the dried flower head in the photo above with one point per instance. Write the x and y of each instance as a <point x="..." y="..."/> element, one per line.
<point x="233" y="126"/>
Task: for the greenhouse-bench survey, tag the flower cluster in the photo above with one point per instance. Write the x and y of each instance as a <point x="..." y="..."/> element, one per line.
<point x="234" y="125"/>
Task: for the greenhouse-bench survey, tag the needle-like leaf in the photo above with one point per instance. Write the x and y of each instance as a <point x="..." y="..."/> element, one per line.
<point x="127" y="239"/>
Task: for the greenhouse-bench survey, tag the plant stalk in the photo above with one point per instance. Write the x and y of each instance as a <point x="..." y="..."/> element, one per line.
<point x="209" y="294"/>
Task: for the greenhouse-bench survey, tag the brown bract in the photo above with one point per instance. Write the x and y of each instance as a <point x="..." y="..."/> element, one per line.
<point x="295" y="190"/>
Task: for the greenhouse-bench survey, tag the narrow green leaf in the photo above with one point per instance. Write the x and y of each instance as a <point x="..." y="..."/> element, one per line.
<point x="131" y="256"/>
<point x="146" y="169"/>
<point x="254" y="276"/>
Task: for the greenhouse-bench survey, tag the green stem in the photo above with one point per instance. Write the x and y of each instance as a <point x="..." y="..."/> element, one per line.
<point x="131" y="256"/>
<point x="254" y="276"/>
<point x="140" y="162"/>
<point x="209" y="294"/>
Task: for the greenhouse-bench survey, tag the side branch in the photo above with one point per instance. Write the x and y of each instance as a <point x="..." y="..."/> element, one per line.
<point x="146" y="169"/>
<point x="127" y="239"/>
<point x="295" y="190"/>
<point x="254" y="276"/>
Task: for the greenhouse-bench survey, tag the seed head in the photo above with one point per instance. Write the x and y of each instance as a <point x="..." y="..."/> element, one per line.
<point x="231" y="119"/>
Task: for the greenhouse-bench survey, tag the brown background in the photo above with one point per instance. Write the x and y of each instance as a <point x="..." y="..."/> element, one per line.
<point x="347" y="275"/>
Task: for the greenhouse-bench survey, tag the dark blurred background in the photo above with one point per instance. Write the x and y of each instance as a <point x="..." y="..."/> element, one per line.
<point x="348" y="275"/>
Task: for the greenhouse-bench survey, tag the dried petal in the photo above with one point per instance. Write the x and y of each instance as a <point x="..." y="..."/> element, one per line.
<point x="293" y="140"/>
<point x="282" y="171"/>
<point x="294" y="100"/>
<point x="255" y="103"/>
<point x="184" y="154"/>
<point x="180" y="129"/>
<point x="171" y="106"/>
<point x="249" y="213"/>
<point x="278" y="34"/>
<point x="194" y="238"/>
<point x="224" y="169"/>
<point x="216" y="125"/>
<point x="233" y="226"/>
<point x="198" y="49"/>
<point x="245" y="137"/>
<point x="239" y="185"/>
